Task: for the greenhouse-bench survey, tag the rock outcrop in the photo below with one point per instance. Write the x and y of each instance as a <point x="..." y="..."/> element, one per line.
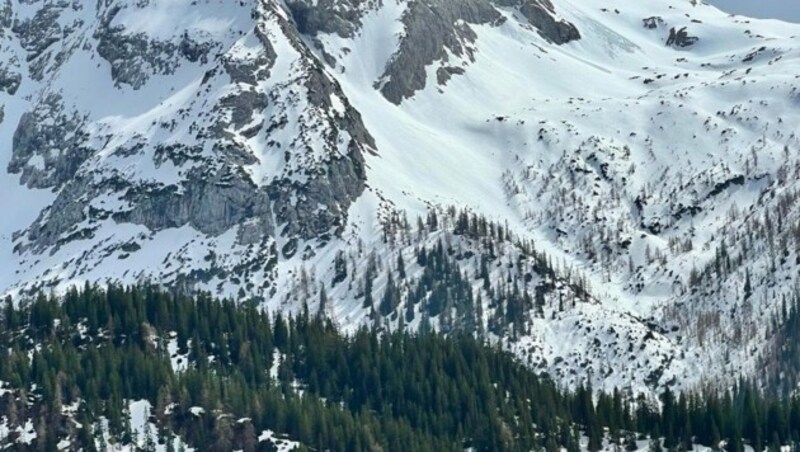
<point x="653" y="22"/>
<point x="243" y="149"/>
<point x="9" y="81"/>
<point x="435" y="28"/>
<point x="342" y="17"/>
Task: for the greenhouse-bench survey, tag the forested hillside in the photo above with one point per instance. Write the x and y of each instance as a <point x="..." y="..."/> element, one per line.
<point x="214" y="375"/>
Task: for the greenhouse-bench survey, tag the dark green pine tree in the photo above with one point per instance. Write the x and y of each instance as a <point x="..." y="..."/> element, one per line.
<point x="368" y="302"/>
<point x="323" y="303"/>
<point x="401" y="266"/>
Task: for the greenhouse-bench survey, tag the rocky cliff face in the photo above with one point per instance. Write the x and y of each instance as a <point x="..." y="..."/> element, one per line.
<point x="242" y="147"/>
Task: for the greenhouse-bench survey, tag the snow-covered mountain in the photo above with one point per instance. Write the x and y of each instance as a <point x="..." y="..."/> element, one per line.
<point x="609" y="189"/>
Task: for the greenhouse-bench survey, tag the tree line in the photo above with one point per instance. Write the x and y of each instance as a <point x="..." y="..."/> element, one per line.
<point x="71" y="364"/>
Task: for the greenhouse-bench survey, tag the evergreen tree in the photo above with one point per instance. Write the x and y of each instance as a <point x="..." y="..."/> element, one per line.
<point x="401" y="266"/>
<point x="323" y="302"/>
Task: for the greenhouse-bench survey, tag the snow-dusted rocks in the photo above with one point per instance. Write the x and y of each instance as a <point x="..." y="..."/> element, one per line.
<point x="440" y="31"/>
<point x="216" y="121"/>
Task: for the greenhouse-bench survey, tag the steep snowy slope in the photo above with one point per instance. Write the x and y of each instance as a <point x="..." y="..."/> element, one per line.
<point x="634" y="161"/>
<point x="610" y="190"/>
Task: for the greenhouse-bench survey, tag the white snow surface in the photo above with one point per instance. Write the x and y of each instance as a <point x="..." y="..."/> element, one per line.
<point x="627" y="161"/>
<point x="560" y="141"/>
<point x="280" y="443"/>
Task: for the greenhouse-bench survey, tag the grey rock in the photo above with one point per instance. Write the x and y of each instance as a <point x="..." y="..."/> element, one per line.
<point x="652" y="23"/>
<point x="321" y="204"/>
<point x="258" y="67"/>
<point x="321" y="89"/>
<point x="59" y="223"/>
<point x="444" y="74"/>
<point x="135" y="57"/>
<point x="9" y="81"/>
<point x="39" y="32"/>
<point x="52" y="136"/>
<point x="194" y="51"/>
<point x="211" y="202"/>
<point x="436" y="26"/>
<point x="342" y="17"/>
<point x="242" y="107"/>
<point x="6" y="15"/>
<point x="38" y="35"/>
<point x="430" y="32"/>
<point x="177" y="154"/>
<point x="540" y="14"/>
